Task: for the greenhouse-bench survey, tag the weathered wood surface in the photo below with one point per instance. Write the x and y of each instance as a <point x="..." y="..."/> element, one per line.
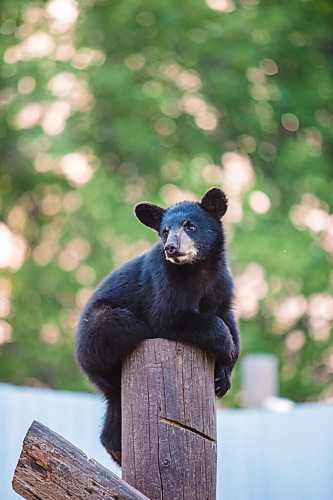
<point x="168" y="421"/>
<point x="51" y="468"/>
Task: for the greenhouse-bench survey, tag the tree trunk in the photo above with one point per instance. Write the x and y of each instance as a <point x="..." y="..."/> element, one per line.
<point x="168" y="421"/>
<point x="51" y="468"/>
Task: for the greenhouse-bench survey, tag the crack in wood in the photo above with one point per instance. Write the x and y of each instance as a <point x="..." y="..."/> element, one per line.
<point x="187" y="428"/>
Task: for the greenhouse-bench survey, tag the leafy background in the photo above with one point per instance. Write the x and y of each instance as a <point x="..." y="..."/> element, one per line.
<point x="105" y="103"/>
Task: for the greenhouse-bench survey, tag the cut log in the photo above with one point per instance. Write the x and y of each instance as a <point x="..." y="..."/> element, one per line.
<point x="168" y="421"/>
<point x="51" y="468"/>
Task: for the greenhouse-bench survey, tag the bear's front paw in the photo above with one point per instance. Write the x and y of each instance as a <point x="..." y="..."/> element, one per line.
<point x="222" y="381"/>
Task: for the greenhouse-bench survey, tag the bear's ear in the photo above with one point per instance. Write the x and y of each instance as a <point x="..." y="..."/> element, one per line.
<point x="215" y="202"/>
<point x="149" y="214"/>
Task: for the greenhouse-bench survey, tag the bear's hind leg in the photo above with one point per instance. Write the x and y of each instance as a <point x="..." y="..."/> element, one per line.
<point x="105" y="336"/>
<point x="111" y="433"/>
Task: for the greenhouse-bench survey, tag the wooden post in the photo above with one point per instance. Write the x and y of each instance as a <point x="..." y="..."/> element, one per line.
<point x="51" y="468"/>
<point x="168" y="421"/>
<point x="259" y="376"/>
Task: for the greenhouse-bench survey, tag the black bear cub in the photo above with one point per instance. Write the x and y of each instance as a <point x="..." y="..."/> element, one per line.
<point x="181" y="289"/>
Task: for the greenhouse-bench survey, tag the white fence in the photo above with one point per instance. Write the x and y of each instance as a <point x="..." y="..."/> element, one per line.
<point x="262" y="455"/>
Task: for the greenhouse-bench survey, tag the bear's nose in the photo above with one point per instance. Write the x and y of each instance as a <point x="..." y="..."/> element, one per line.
<point x="170" y="248"/>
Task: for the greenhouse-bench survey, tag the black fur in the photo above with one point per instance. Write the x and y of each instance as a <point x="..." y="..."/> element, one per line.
<point x="151" y="297"/>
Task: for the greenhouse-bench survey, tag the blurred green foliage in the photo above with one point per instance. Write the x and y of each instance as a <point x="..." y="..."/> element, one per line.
<point x="107" y="103"/>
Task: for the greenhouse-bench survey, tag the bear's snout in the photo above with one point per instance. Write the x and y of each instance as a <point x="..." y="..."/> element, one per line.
<point x="171" y="247"/>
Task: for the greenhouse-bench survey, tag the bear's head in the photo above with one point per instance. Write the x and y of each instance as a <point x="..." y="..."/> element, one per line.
<point x="189" y="231"/>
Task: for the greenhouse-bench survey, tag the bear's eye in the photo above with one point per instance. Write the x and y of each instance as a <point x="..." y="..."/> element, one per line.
<point x="165" y="232"/>
<point x="189" y="226"/>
